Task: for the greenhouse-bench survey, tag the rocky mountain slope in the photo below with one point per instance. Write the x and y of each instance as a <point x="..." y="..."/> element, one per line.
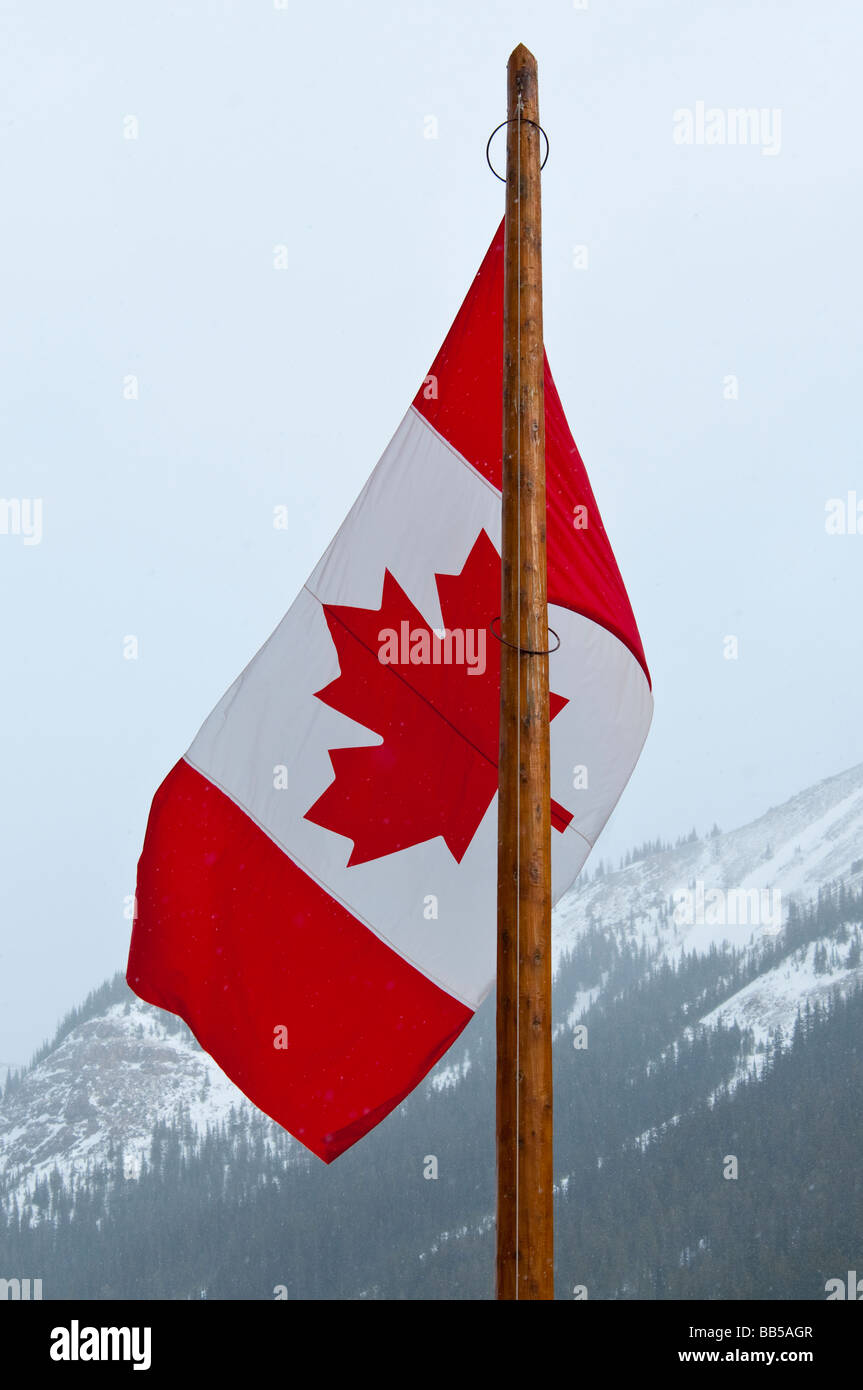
<point x="118" y="1068"/>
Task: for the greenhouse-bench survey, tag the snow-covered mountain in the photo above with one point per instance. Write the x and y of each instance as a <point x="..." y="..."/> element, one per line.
<point x="736" y="889"/>
<point x="113" y="1074"/>
<point x="108" y="1083"/>
<point x="814" y="839"/>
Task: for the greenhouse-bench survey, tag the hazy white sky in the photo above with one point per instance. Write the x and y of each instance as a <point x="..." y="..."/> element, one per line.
<point x="260" y="125"/>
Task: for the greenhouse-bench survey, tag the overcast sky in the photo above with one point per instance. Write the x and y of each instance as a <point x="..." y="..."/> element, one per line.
<point x="154" y="155"/>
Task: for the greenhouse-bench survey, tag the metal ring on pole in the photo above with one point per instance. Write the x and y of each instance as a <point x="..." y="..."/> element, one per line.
<point x="525" y="651"/>
<point x="500" y="127"/>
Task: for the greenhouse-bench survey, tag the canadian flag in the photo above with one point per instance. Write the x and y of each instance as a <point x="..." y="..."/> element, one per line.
<point x="317" y="889"/>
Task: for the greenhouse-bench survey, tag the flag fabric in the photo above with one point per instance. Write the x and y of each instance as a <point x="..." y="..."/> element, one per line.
<point x="316" y="894"/>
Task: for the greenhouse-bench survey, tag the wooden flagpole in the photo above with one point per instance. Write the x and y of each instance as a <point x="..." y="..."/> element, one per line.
<point x="525" y="1240"/>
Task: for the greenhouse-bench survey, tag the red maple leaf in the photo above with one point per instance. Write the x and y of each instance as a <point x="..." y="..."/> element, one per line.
<point x="436" y="771"/>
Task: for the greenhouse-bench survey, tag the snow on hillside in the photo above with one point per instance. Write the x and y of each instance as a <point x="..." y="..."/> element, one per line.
<point x="771" y="1002"/>
<point x="110" y="1081"/>
<point x="792" y="849"/>
<point x="705" y="891"/>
